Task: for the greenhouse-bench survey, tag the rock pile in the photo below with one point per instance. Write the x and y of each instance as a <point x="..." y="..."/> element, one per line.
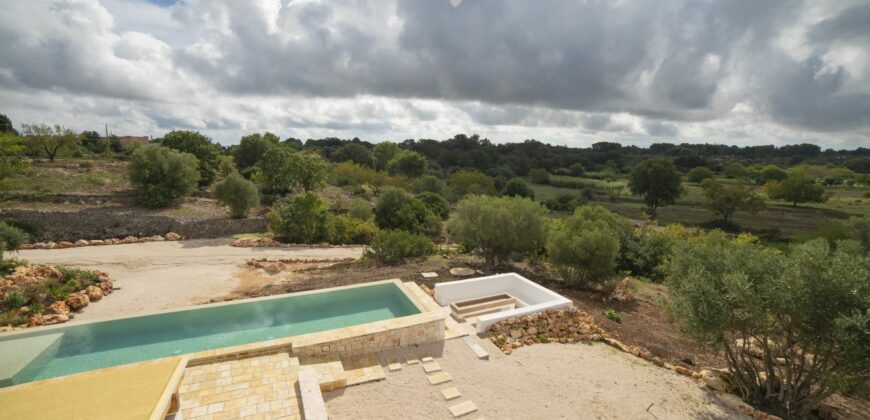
<point x="277" y="266"/>
<point x="271" y="243"/>
<point x="171" y="236"/>
<point x="36" y="283"/>
<point x="622" y="292"/>
<point x="562" y="326"/>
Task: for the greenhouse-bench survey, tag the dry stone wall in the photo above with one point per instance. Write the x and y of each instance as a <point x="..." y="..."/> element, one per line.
<point x="100" y="223"/>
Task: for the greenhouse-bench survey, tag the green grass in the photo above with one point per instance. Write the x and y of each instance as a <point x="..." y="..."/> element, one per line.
<point x="68" y="176"/>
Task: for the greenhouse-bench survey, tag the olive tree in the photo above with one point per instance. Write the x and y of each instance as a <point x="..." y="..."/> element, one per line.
<point x="499" y="227"/>
<point x="283" y="172"/>
<point x="300" y="219"/>
<point x="51" y="141"/>
<point x="238" y="193"/>
<point x="657" y="182"/>
<point x="162" y="175"/>
<point x="726" y="200"/>
<point x="584" y="247"/>
<point x="793" y="327"/>
<point x="797" y="188"/>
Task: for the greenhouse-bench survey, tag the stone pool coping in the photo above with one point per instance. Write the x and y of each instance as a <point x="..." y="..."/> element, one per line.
<point x="423" y="327"/>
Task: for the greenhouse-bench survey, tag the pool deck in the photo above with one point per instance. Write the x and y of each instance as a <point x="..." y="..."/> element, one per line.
<point x="135" y="391"/>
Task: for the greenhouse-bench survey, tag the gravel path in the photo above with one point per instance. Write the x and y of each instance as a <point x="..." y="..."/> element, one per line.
<point x="548" y="381"/>
<point x="156" y="276"/>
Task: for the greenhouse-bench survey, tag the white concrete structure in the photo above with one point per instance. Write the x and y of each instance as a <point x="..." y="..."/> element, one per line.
<point x="531" y="297"/>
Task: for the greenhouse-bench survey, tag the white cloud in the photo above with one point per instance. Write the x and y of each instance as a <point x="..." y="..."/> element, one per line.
<point x="639" y="72"/>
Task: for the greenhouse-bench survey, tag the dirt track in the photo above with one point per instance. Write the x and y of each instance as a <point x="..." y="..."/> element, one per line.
<point x="166" y="275"/>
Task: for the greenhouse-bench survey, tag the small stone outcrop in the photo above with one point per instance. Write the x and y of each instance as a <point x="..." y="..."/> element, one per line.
<point x="58" y="308"/>
<point x="172" y="236"/>
<point x="81" y="242"/>
<point x="77" y="301"/>
<point x="94" y="293"/>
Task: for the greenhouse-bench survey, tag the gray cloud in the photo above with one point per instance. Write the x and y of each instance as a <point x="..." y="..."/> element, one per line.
<point x="570" y="70"/>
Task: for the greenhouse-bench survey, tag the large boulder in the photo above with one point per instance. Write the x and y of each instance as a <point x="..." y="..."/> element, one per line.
<point x="172" y="236"/>
<point x="81" y="242"/>
<point x="36" y="320"/>
<point x="106" y="286"/>
<point x="50" y="245"/>
<point x="96" y="242"/>
<point x="94" y="293"/>
<point x="59" y="308"/>
<point x="77" y="301"/>
<point x="47" y="272"/>
<point x="717" y="379"/>
<point x="65" y="245"/>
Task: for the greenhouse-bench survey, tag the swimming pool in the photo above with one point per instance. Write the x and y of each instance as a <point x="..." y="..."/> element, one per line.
<point x="57" y="351"/>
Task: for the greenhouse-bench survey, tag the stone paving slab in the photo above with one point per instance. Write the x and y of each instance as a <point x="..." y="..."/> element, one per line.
<point x="394" y="367"/>
<point x="427" y="359"/>
<point x="262" y="386"/>
<point x="431" y="367"/>
<point x="463" y="408"/>
<point x="450" y="393"/>
<point x="439" y="378"/>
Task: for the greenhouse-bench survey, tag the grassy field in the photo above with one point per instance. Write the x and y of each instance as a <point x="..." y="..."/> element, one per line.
<point x="788" y="221"/>
<point x="68" y="176"/>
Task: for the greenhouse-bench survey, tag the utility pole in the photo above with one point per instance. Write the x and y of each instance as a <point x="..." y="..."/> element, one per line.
<point x="107" y="140"/>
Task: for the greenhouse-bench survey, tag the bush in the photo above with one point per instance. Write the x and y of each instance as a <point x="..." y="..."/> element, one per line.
<point x="396" y="246"/>
<point x="464" y="182"/>
<point x="807" y="311"/>
<point x="300" y="219"/>
<point x="500" y="227"/>
<point x="428" y="183"/>
<point x="539" y="176"/>
<point x="735" y="170"/>
<point x="584" y="247"/>
<point x="699" y="174"/>
<point x="283" y="172"/>
<point x="577" y="169"/>
<point x="349" y="230"/>
<point x="360" y="209"/>
<point x="162" y="175"/>
<point x="199" y="146"/>
<point x="396" y="209"/>
<point x="568" y="202"/>
<point x="436" y="203"/>
<point x="11" y="238"/>
<point x="14" y="300"/>
<point x="238" y="193"/>
<point x="612" y="315"/>
<point x="517" y="188"/>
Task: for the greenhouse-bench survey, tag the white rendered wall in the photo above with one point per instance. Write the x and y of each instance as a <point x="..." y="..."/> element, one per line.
<point x="534" y="297"/>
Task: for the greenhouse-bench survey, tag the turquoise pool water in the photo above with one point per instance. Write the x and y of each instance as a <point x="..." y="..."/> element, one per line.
<point x="77" y="348"/>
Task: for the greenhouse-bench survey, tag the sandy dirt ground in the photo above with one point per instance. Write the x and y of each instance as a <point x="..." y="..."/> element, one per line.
<point x="157" y="276"/>
<point x="549" y="381"/>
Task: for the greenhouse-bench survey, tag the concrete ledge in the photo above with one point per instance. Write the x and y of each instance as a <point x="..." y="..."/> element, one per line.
<point x="313" y="406"/>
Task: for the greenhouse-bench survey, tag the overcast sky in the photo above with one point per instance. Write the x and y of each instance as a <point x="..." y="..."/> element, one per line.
<point x="562" y="71"/>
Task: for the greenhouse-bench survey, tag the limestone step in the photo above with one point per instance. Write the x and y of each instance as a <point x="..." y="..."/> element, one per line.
<point x="330" y="371"/>
<point x="474" y="344"/>
<point x="439" y="378"/>
<point x="313" y="406"/>
<point x="450" y="393"/>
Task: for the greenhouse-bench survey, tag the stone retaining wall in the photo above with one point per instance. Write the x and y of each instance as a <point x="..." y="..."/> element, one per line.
<point x="373" y="338"/>
<point x="100" y="223"/>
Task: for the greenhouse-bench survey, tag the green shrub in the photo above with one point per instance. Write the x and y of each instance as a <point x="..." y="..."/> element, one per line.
<point x="11" y="238"/>
<point x="396" y="246"/>
<point x="238" y="193"/>
<point x="7" y="265"/>
<point x="407" y="163"/>
<point x="539" y="176"/>
<point x="464" y="182"/>
<point x="500" y="227"/>
<point x="699" y="174"/>
<point x="205" y="151"/>
<point x="300" y="219"/>
<point x="429" y="183"/>
<point x="436" y="203"/>
<point x="612" y="315"/>
<point x="163" y="175"/>
<point x="577" y="169"/>
<point x="808" y="307"/>
<point x="396" y="209"/>
<point x="349" y="230"/>
<point x="516" y="187"/>
<point x="584" y="247"/>
<point x="82" y="278"/>
<point x="14" y="300"/>
<point x="360" y="209"/>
